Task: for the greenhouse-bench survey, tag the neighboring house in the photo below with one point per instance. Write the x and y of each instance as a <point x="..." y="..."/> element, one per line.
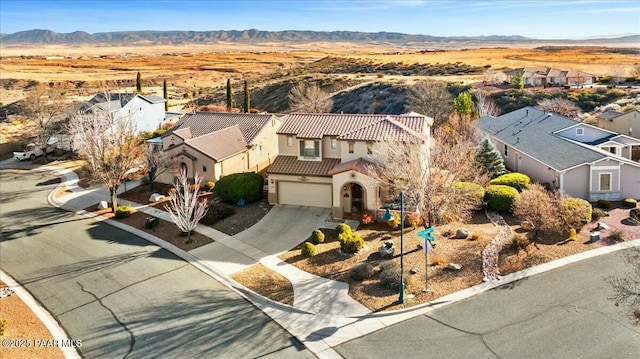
<point x="576" y="158"/>
<point x="627" y="123"/>
<point x="219" y="144"/>
<point x="546" y="76"/>
<point x="324" y="159"/>
<point x="147" y="112"/>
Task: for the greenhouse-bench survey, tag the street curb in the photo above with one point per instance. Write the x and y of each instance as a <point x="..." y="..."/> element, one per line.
<point x="45" y="317"/>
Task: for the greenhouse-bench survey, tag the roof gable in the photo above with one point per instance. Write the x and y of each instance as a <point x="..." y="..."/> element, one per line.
<point x="203" y="123"/>
<point x="220" y="144"/>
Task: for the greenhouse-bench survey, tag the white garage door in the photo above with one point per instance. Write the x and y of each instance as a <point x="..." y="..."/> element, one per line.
<point x="305" y="194"/>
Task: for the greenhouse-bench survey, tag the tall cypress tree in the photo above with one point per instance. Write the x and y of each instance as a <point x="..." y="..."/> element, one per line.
<point x="138" y="83"/>
<point x="165" y="95"/>
<point x="247" y="104"/>
<point x="490" y="158"/>
<point x="229" y="96"/>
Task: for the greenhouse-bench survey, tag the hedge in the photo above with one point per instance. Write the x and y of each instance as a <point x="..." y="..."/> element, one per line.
<point x="501" y="197"/>
<point x="515" y="180"/>
<point x="233" y="188"/>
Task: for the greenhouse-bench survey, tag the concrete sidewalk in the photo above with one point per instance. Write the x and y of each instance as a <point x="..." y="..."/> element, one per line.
<point x="323" y="314"/>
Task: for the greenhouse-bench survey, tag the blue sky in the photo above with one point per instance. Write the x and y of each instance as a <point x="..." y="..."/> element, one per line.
<point x="531" y="18"/>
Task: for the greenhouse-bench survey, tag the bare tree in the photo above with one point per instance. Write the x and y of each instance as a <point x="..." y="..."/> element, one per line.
<point x="110" y="147"/>
<point x="430" y="98"/>
<point x="561" y="106"/>
<point x="490" y="76"/>
<point x="42" y="108"/>
<point x="427" y="174"/>
<point x="484" y="106"/>
<point x="157" y="163"/>
<point x="618" y="73"/>
<point x="309" y="98"/>
<point x="626" y="290"/>
<point x="186" y="206"/>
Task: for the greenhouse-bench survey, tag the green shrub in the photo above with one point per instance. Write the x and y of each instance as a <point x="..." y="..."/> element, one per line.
<point x="390" y="275"/>
<point x="308" y="250"/>
<point x="209" y="186"/>
<point x="472" y="189"/>
<point x="237" y="186"/>
<point x="515" y="180"/>
<point x="362" y="271"/>
<point x="317" y="236"/>
<point x="343" y="228"/>
<point x="596" y="214"/>
<point x="630" y="203"/>
<point x="350" y="242"/>
<point x="123" y="211"/>
<point x="576" y="212"/>
<point x="501" y="197"/>
<point x="603" y="203"/>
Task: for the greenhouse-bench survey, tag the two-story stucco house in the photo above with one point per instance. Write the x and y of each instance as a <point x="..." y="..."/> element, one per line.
<point x="146" y="112"/>
<point x="219" y="144"/>
<point x="573" y="157"/>
<point x="627" y="123"/>
<point x="324" y="159"/>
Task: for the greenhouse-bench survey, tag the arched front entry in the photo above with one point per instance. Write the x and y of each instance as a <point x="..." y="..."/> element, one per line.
<point x="353" y="199"/>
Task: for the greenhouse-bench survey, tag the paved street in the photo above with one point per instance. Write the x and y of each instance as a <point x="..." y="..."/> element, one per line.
<point x="117" y="293"/>
<point x="563" y="313"/>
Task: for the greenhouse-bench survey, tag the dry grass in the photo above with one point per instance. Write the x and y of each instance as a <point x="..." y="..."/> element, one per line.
<point x="268" y="283"/>
<point x="23" y="324"/>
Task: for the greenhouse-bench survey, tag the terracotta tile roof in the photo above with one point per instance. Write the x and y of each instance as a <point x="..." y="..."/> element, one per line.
<point x="220" y="144"/>
<point x="365" y="127"/>
<point x="203" y="123"/>
<point x="359" y="165"/>
<point x="290" y="165"/>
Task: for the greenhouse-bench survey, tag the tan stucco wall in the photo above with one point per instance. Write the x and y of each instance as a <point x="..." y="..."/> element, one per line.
<point x="329" y="152"/>
<point x="267" y="139"/>
<point x="630" y="182"/>
<point x="284" y="149"/>
<point x="575" y="182"/>
<point x="359" y="150"/>
<point x="371" y="199"/>
<point x="621" y="124"/>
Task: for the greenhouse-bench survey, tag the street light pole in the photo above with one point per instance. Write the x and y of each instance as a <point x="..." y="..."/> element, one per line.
<point x="401" y="298"/>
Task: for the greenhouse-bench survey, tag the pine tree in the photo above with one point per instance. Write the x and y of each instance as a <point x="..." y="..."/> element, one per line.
<point x="138" y="83"/>
<point x="247" y="104"/>
<point x="229" y="96"/>
<point x="165" y="95"/>
<point x="517" y="83"/>
<point x="488" y="155"/>
<point x="463" y="105"/>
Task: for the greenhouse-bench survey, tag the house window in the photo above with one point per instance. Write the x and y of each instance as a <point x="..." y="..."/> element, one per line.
<point x="351" y="145"/>
<point x="289" y="141"/>
<point x="506" y="152"/>
<point x="605" y="182"/>
<point x="204" y="168"/>
<point x="579" y="131"/>
<point x="334" y="143"/>
<point x="309" y="149"/>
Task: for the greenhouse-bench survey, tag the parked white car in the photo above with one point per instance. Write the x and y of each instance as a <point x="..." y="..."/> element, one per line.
<point x="31" y="151"/>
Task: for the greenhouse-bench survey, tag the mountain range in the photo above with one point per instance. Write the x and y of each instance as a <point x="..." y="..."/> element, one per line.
<point x="256" y="36"/>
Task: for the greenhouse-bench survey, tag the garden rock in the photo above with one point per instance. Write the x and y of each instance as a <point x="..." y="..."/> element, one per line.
<point x="156" y="197"/>
<point x="527" y="226"/>
<point x="5" y="292"/>
<point x="602" y="226"/>
<point x="462" y="233"/>
<point x="414" y="270"/>
<point x="386" y="251"/>
<point x="103" y="205"/>
<point x="453" y="266"/>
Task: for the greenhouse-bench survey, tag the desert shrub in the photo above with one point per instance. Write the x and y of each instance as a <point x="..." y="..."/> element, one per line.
<point x="515" y="180"/>
<point x="317" y="237"/>
<point x="616" y="236"/>
<point x="237" y="186"/>
<point x="630" y="203"/>
<point x="390" y="275"/>
<point x="3" y="326"/>
<point x="501" y="197"/>
<point x="448" y="233"/>
<point x="123" y="211"/>
<point x="596" y="214"/>
<point x="474" y="237"/>
<point x="362" y="271"/>
<point x="518" y="241"/>
<point x="350" y="242"/>
<point x="308" y="250"/>
<point x="603" y="203"/>
<point x="413" y="219"/>
<point x="576" y="212"/>
<point x="394" y="223"/>
<point x="343" y="228"/>
<point x="540" y="207"/>
<point x="474" y="190"/>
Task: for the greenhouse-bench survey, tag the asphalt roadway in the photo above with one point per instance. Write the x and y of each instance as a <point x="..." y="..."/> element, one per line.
<point x="564" y="313"/>
<point x="120" y="295"/>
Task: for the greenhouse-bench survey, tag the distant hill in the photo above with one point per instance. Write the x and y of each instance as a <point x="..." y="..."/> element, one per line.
<point x="256" y="36"/>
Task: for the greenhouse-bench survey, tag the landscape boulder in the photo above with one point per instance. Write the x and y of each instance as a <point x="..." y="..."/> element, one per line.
<point x="156" y="197"/>
<point x="387" y="249"/>
<point x="103" y="205"/>
<point x="602" y="226"/>
<point x="527" y="226"/>
<point x="635" y="214"/>
<point x="453" y="266"/>
<point x="462" y="233"/>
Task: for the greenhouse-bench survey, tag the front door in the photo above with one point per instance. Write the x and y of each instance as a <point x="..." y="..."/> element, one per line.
<point x="357" y="203"/>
